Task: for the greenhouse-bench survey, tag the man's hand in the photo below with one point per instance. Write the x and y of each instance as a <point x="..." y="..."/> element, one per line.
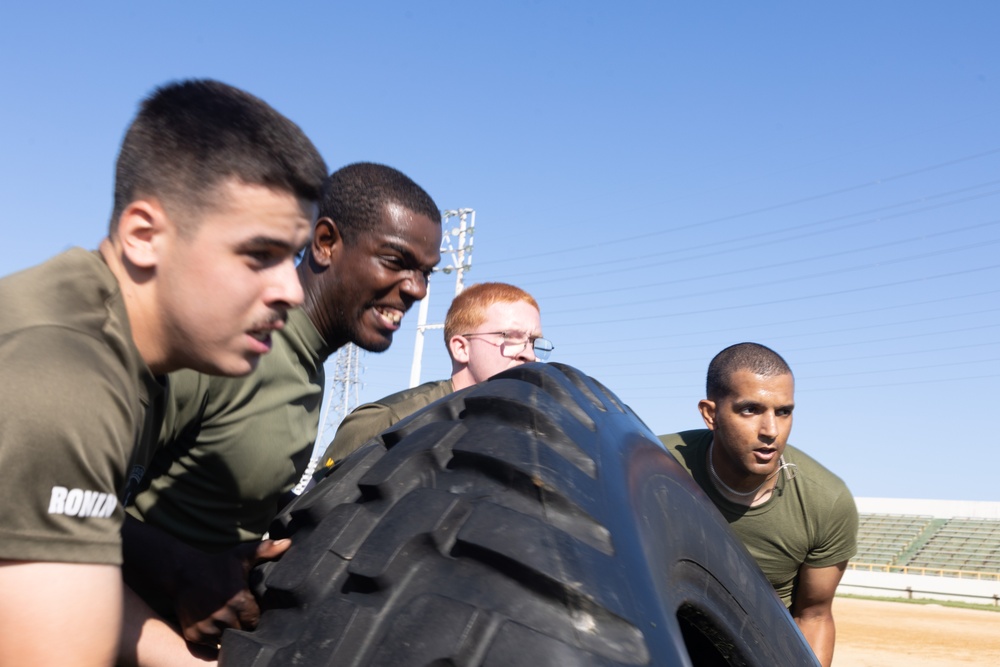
<point x="205" y="593"/>
<point x="212" y="592"/>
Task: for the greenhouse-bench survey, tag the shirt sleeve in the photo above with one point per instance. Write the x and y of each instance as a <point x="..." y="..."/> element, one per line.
<point x="366" y="422"/>
<point x="67" y="430"/>
<point x="839" y="535"/>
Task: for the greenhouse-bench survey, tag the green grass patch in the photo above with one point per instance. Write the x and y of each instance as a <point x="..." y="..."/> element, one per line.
<point x="985" y="606"/>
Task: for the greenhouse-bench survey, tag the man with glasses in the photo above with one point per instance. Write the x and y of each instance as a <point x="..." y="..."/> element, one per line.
<point x="490" y="327"/>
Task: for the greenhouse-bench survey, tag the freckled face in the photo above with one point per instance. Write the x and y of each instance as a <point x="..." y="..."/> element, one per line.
<point x="486" y="357"/>
<point x="752" y="424"/>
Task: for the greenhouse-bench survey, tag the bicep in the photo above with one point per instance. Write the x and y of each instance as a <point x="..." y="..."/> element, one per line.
<point x="59" y="613"/>
<point x="816" y="587"/>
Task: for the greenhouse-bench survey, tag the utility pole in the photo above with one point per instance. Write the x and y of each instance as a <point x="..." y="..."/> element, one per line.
<point x="457" y="227"/>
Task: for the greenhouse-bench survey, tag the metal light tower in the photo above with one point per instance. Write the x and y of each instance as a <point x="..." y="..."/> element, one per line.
<point x="344" y="392"/>
<point x="341" y="398"/>
<point x="457" y="226"/>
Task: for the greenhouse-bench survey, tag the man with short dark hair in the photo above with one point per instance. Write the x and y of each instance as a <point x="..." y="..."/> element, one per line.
<point x="489" y="328"/>
<point x="215" y="193"/>
<point x="797" y="519"/>
<point x="232" y="447"/>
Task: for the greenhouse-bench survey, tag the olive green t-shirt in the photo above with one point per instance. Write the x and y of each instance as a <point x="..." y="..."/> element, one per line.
<point x="370" y="419"/>
<point x="79" y="411"/>
<point x="809" y="519"/>
<point x="232" y="446"/>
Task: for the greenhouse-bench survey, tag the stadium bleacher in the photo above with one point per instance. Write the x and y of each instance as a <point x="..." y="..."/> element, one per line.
<point x="942" y="546"/>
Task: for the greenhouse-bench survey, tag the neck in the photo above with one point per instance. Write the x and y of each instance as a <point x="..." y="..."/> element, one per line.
<point x="461" y="377"/>
<point x="315" y="308"/>
<point x="750" y="497"/>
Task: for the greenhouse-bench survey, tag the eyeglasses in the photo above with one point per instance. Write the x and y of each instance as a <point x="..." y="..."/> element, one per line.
<point x="513" y="342"/>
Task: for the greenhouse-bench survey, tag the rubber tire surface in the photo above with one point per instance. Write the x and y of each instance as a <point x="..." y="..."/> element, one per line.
<point x="529" y="520"/>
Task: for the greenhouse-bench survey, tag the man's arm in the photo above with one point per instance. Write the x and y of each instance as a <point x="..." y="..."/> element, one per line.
<point x="363" y="424"/>
<point x="59" y="613"/>
<point x="147" y="640"/>
<point x="812" y="607"/>
<point x="208" y="592"/>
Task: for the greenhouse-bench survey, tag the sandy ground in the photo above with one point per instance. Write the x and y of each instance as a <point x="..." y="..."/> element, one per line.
<point x="895" y="634"/>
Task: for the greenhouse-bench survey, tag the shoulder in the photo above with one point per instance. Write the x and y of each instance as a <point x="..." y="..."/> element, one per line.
<point x="66" y="366"/>
<point x="820" y="490"/>
<point x="69" y="290"/>
<point x="424" y="394"/>
<point x="813" y="472"/>
<point x="300" y="341"/>
<point x="686" y="444"/>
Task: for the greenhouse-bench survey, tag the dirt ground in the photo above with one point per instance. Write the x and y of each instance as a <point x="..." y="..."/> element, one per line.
<point x="895" y="634"/>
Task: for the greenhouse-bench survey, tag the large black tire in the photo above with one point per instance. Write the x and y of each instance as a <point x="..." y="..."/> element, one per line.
<point x="529" y="520"/>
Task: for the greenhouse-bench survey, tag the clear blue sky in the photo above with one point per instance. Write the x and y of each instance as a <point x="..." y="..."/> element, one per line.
<point x="666" y="178"/>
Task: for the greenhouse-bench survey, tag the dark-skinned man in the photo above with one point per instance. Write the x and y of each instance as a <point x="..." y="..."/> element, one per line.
<point x="232" y="448"/>
<point x="797" y="519"/>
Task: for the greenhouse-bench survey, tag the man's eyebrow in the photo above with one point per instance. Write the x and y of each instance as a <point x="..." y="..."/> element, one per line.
<point x="267" y="241"/>
<point x="404" y="251"/>
<point x="743" y="405"/>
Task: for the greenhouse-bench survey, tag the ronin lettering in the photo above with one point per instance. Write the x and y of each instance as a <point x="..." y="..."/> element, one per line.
<point x="78" y="502"/>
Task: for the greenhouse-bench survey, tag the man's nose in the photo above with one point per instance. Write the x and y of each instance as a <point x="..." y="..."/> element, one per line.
<point x="527" y="353"/>
<point x="415" y="286"/>
<point x="287" y="289"/>
<point x="769" y="425"/>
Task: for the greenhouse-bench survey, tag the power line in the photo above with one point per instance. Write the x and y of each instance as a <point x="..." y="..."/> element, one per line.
<point x="851" y="313"/>
<point x="803" y="260"/>
<point x="807" y="389"/>
<point x="741" y="243"/>
<point x="853" y="290"/>
<point x="698" y="345"/>
<point x="765" y="209"/>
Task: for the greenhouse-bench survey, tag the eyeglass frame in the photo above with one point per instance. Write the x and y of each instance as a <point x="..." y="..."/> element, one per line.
<point x="541" y="355"/>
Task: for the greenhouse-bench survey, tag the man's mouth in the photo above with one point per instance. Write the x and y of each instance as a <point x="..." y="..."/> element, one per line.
<point x="262" y="332"/>
<point x="391" y="316"/>
<point x="766" y="453"/>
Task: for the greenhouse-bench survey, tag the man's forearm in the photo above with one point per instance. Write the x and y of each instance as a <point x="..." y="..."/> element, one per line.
<point x="821" y="633"/>
<point x="147" y="640"/>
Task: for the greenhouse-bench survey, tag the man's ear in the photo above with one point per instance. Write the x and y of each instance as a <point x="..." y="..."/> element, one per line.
<point x="326" y="241"/>
<point x="707" y="410"/>
<point x="139" y="228"/>
<point x="458" y="347"/>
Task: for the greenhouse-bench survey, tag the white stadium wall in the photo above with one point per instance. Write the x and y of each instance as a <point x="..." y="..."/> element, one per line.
<point x="968" y="588"/>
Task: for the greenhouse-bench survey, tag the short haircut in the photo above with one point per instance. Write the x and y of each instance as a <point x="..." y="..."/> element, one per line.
<point x="468" y="310"/>
<point x="753" y="357"/>
<point x="190" y="137"/>
<point x="355" y="196"/>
